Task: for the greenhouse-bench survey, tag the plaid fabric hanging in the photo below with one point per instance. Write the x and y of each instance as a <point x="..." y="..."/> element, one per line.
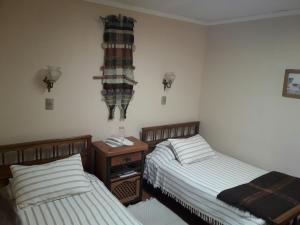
<point x="118" y="66"/>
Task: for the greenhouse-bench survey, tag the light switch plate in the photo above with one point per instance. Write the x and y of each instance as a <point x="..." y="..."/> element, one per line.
<point x="49" y="103"/>
<point x="163" y="100"/>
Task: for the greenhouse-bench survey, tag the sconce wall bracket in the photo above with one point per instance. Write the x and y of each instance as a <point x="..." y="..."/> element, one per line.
<point x="166" y="84"/>
<point x="49" y="83"/>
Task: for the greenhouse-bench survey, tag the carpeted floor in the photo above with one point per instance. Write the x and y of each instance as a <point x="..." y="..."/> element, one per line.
<point x="186" y="215"/>
<point x="151" y="212"/>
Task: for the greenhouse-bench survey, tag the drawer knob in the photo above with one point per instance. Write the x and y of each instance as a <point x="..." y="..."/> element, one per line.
<point x="127" y="159"/>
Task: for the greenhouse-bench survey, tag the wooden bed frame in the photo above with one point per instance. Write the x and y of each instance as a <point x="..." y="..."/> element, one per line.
<point x="39" y="152"/>
<point x="154" y="135"/>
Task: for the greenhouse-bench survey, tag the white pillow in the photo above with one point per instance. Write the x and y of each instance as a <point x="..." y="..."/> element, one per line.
<point x="47" y="182"/>
<point x="190" y="150"/>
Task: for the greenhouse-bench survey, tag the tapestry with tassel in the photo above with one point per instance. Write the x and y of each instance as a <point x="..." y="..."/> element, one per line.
<point x="118" y="79"/>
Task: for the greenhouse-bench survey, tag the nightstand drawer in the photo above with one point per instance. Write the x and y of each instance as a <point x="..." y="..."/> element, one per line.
<point x="126" y="190"/>
<point x="123" y="159"/>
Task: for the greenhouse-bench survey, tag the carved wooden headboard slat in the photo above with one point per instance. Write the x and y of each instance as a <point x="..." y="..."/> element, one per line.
<point x="154" y="135"/>
<point x="39" y="152"/>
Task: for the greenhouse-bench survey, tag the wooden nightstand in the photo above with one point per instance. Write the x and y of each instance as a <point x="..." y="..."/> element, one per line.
<point x="111" y="163"/>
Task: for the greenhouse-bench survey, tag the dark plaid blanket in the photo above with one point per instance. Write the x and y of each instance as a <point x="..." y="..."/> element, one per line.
<point x="274" y="197"/>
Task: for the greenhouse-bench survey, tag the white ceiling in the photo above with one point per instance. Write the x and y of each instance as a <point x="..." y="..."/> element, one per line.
<point x="210" y="12"/>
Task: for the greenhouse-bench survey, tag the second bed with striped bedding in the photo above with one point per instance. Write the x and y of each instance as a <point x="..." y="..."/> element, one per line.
<point x="97" y="207"/>
<point x="197" y="185"/>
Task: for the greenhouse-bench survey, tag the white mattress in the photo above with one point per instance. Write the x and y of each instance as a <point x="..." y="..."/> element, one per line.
<point x="92" y="208"/>
<point x="197" y="185"/>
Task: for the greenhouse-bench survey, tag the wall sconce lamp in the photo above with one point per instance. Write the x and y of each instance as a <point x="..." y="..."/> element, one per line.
<point x="168" y="80"/>
<point x="52" y="75"/>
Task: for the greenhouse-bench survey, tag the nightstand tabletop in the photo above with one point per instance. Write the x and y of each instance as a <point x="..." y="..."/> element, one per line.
<point x="109" y="151"/>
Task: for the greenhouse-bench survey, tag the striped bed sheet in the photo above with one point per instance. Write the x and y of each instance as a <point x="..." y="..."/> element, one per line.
<point x="98" y="207"/>
<point x="197" y="185"/>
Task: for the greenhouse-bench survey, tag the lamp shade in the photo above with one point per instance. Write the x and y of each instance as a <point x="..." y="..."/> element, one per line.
<point x="54" y="73"/>
<point x="170" y="76"/>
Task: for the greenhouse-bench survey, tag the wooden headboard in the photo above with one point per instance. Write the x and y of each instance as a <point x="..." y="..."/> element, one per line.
<point x="39" y="152"/>
<point x="154" y="135"/>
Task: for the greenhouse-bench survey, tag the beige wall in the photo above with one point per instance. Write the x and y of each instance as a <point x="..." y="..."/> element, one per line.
<point x="66" y="33"/>
<point x="243" y="112"/>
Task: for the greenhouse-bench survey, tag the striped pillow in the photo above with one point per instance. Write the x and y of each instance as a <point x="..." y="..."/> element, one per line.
<point x="190" y="150"/>
<point x="163" y="151"/>
<point x="47" y="182"/>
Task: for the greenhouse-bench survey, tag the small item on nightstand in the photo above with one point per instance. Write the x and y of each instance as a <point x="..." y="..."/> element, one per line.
<point x="127" y="174"/>
<point x="118" y="141"/>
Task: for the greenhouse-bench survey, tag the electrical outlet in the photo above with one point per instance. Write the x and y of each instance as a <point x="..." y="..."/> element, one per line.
<point x="121" y="131"/>
<point x="49" y="103"/>
<point x="163" y="100"/>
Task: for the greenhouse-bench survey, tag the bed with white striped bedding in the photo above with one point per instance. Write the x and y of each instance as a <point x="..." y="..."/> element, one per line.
<point x="196" y="185"/>
<point x="97" y="207"/>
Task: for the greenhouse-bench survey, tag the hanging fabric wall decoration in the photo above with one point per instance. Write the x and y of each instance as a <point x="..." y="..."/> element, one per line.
<point x="118" y="79"/>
